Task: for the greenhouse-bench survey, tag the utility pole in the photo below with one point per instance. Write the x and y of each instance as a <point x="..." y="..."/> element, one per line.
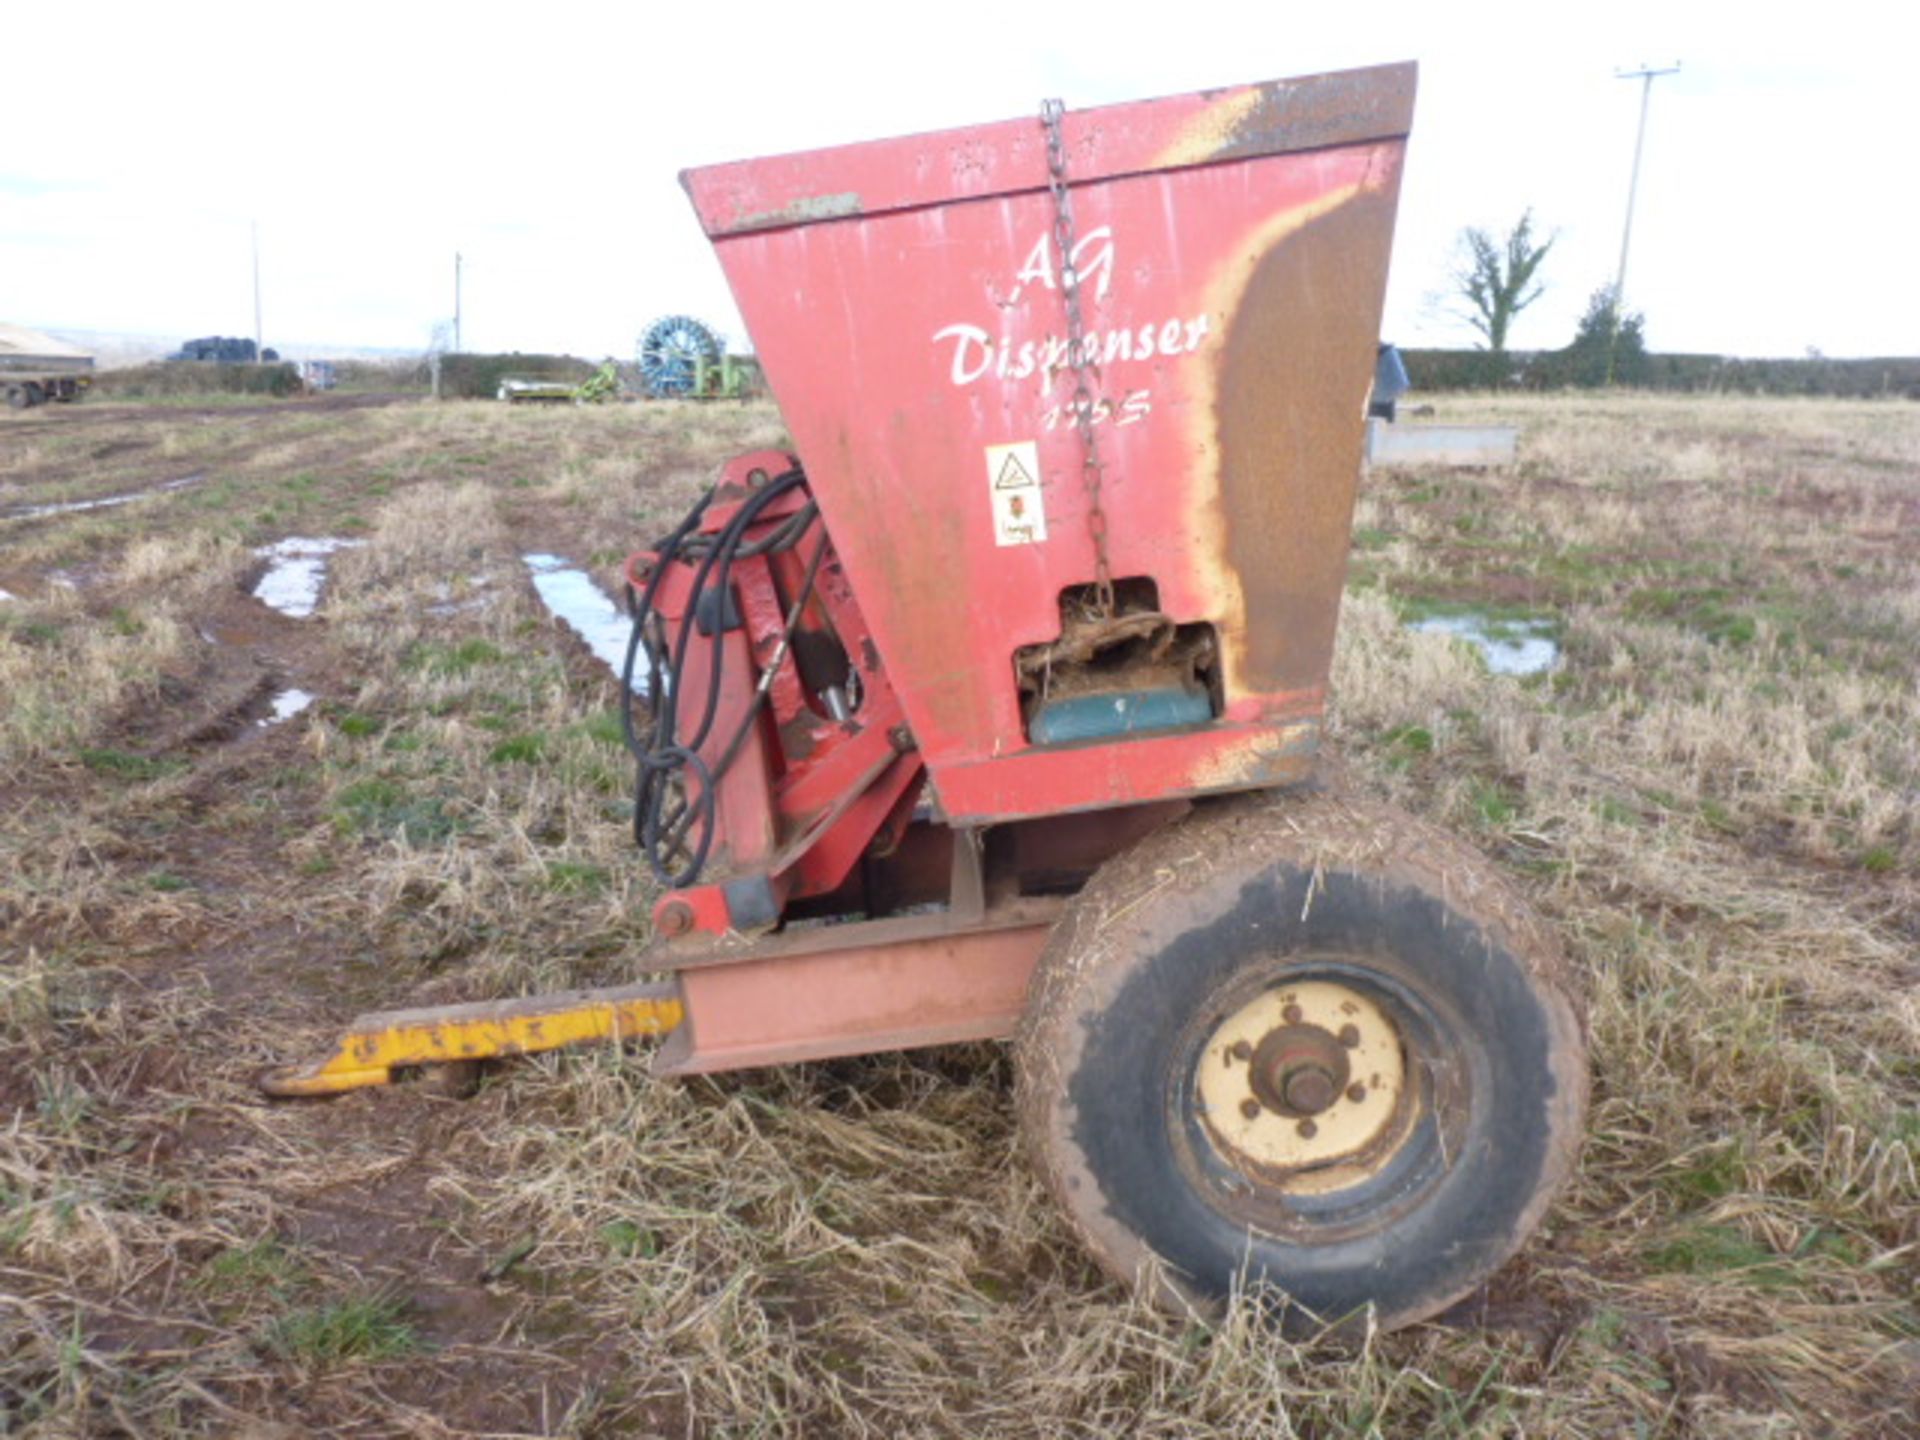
<point x="259" y="338"/>
<point x="1646" y="75"/>
<point x="456" y="302"/>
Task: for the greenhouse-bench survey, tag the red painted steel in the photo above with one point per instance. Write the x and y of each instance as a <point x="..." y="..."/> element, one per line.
<point x="906" y="300"/>
<point x="935" y="990"/>
<point x="807" y="792"/>
<point x="906" y="306"/>
<point x="985" y="161"/>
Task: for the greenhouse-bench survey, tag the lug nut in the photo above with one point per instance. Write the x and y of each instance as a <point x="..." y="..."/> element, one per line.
<point x="1308" y="1129"/>
<point x="1350" y="1036"/>
<point x="1250" y="1108"/>
<point x="1356" y="1092"/>
<point x="1241" y="1050"/>
<point x="1292" y="1014"/>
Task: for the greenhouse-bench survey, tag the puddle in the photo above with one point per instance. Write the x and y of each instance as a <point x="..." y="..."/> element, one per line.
<point x="570" y="593"/>
<point x="286" y="705"/>
<point x="1511" y="647"/>
<point x="105" y="502"/>
<point x="292" y="582"/>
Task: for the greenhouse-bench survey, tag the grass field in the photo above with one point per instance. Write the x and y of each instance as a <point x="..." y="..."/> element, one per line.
<point x="1712" y="798"/>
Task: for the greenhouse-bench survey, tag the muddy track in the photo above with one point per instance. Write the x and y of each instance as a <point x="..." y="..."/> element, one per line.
<point x="93" y="413"/>
<point x="133" y="468"/>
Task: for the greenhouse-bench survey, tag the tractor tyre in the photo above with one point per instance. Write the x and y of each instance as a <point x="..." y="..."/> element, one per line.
<point x="1304" y="1045"/>
<point x="18" y="398"/>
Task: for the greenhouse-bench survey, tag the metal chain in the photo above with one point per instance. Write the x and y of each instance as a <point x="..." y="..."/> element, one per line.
<point x="1084" y="376"/>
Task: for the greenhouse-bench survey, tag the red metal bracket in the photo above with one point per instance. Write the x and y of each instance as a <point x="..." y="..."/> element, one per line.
<point x="828" y="760"/>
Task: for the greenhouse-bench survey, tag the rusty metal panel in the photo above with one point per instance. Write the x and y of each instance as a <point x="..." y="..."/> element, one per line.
<point x="1278" y="117"/>
<point x="889" y="995"/>
<point x="1233" y="253"/>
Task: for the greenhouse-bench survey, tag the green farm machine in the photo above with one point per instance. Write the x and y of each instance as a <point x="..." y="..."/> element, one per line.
<point x="682" y="359"/>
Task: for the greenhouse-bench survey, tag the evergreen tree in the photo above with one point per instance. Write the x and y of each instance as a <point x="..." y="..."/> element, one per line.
<point x="1609" y="346"/>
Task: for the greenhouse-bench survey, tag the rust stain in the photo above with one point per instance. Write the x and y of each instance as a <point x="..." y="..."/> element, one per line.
<point x="1261" y="759"/>
<point x="1283" y="116"/>
<point x="1288" y="411"/>
<point x="803" y="211"/>
<point x="1210" y="131"/>
<point x="1263" y="393"/>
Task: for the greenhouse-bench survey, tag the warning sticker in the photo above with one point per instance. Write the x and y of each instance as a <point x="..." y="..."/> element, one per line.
<point x="1013" y="480"/>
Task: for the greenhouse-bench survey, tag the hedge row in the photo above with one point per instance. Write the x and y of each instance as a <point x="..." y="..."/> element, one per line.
<point x="384" y="376"/>
<point x="478" y="377"/>
<point x="1552" y="369"/>
<point x="197" y="377"/>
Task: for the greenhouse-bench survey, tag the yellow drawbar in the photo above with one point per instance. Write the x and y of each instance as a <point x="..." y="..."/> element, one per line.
<point x="375" y="1044"/>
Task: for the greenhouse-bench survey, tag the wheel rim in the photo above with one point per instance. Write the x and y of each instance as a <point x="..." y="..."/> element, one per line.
<point x="1303" y="1087"/>
<point x="1360" y="1168"/>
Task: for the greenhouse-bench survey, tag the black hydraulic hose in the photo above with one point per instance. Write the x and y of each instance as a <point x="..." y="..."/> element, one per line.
<point x="721" y="556"/>
<point x="681" y="545"/>
<point x="665" y="552"/>
<point x="653" y="838"/>
<point x="790" y="530"/>
<point x="659" y="833"/>
<point x="663" y="831"/>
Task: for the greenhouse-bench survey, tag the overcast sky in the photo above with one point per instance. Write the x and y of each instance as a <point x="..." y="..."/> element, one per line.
<point x="1777" y="210"/>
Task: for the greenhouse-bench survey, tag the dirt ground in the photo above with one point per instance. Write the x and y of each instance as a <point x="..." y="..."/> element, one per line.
<point x="1711" y="796"/>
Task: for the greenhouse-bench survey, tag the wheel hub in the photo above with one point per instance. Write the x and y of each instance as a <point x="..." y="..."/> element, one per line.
<point x="1298" y="1070"/>
<point x="1304" y="1080"/>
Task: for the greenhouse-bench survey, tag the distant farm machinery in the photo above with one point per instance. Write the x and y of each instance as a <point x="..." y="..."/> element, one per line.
<point x="603" y="384"/>
<point x="682" y="359"/>
<point x="678" y="359"/>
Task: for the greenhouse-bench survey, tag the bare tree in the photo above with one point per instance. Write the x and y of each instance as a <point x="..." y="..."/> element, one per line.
<point x="1496" y="278"/>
